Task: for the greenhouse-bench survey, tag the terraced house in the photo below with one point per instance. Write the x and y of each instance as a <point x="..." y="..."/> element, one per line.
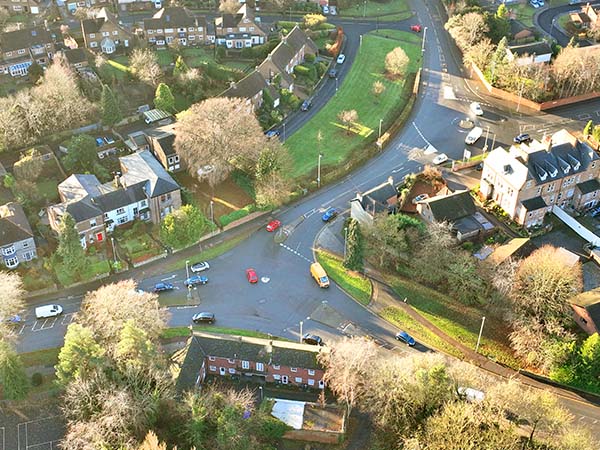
<point x="21" y="6"/>
<point x="236" y="31"/>
<point x="528" y="180"/>
<point x="104" y="33"/>
<point x="17" y="244"/>
<point x="21" y="48"/>
<point x="175" y="25"/>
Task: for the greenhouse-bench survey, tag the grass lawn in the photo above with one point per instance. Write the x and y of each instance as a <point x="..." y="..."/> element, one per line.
<point x="97" y="264"/>
<point x="12" y="86"/>
<point x="356" y="285"/>
<point x="138" y="244"/>
<point x="373" y="8"/>
<point x="48" y="357"/>
<point x="165" y="57"/>
<point x="185" y="331"/>
<point x="337" y="145"/>
<point x="48" y="189"/>
<point x="459" y="321"/>
<point x="524" y="13"/>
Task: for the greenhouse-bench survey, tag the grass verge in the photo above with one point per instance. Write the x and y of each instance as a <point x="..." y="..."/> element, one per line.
<point x="185" y="331"/>
<point x="357" y="286"/>
<point x="47" y="357"/>
<point x="373" y="8"/>
<point x="338" y="144"/>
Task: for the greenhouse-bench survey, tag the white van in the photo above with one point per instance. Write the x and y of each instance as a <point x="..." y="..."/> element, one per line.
<point x="42" y="312"/>
<point x="473" y="135"/>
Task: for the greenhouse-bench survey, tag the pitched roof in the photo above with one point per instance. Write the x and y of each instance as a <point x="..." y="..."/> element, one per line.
<point x="228" y="20"/>
<point x="96" y="24"/>
<point x="588" y="186"/>
<point x="166" y="140"/>
<point x="533" y="204"/>
<point x="516" y="247"/>
<point x="297" y="38"/>
<point x="590" y="300"/>
<point x="25" y="38"/>
<point x="75" y="55"/>
<point x="142" y="166"/>
<point x="120" y="197"/>
<point x="170" y="17"/>
<point x="376" y="199"/>
<point x="14" y="226"/>
<point x="533" y="48"/>
<point x="451" y="207"/>
<point x="247" y="87"/>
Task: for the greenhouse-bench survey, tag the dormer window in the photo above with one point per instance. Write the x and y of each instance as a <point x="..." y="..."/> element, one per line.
<point x="553" y="171"/>
<point x="541" y="173"/>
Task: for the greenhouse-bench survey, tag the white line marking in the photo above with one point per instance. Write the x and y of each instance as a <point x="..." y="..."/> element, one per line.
<point x="169" y="278"/>
<point x="421" y="134"/>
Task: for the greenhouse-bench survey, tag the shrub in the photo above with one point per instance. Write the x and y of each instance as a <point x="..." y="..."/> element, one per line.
<point x="37" y="379"/>
<point x="310" y="58"/>
<point x="226" y="219"/>
<point x="302" y="70"/>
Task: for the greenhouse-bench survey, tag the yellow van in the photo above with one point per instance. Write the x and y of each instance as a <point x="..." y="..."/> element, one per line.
<point x="319" y="274"/>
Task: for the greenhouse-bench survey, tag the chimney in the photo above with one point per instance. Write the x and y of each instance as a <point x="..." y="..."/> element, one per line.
<point x="117" y="180"/>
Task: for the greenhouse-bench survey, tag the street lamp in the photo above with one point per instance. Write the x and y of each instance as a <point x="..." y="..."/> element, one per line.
<point x="552" y="27"/>
<point x="479" y="337"/>
<point x="301" y="323"/>
<point x="112" y="240"/>
<point x="365" y="9"/>
<point x="423" y="43"/>
<point x="319" y="171"/>
<point x="336" y="84"/>
<point x="187" y="269"/>
<point x="380" y="123"/>
<point x="260" y="389"/>
<point x="212" y="216"/>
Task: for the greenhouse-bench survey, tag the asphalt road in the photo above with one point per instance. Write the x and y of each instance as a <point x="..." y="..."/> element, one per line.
<point x="545" y="18"/>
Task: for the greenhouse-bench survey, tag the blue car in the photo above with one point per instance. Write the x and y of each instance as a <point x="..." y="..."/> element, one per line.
<point x="161" y="287"/>
<point x="403" y="336"/>
<point x="99" y="142"/>
<point x="195" y="280"/>
<point x="272" y="133"/>
<point x="331" y="213"/>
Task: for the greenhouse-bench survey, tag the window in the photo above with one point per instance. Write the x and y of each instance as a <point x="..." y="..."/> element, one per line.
<point x="143" y="203"/>
<point x="115" y="33"/>
<point x="251" y="28"/>
<point x="122" y="220"/>
<point x="150" y="31"/>
<point x="260" y="367"/>
<point x="276" y="377"/>
<point x="93" y="223"/>
<point x="176" y="159"/>
<point x="93" y="44"/>
<point x="26" y="244"/>
<point x="169" y="30"/>
<point x="191" y="29"/>
<point x="231" y="361"/>
<point x="28" y="256"/>
<point x="298" y="379"/>
<point x="92" y="35"/>
<point x="212" y="368"/>
<point x="245" y="364"/>
<point x="212" y="358"/>
<point x="8" y="53"/>
<point x="105" y="33"/>
<point x="294" y="369"/>
<point x="593" y="164"/>
<point x="163" y="198"/>
<point x="200" y="29"/>
<point x="276" y="366"/>
<point x="159" y="31"/>
<point x="321" y="384"/>
<point x="229" y="30"/>
<point x="191" y="37"/>
<point x="169" y="196"/>
<point x="182" y="30"/>
<point x="242" y="29"/>
<point x="21" y="52"/>
<point x="152" y="40"/>
<point x="238" y="44"/>
<point x="311" y="382"/>
<point x="11" y="262"/>
<point x="311" y="372"/>
<point x="529" y="184"/>
<point x="232" y="371"/>
<point x="121" y="211"/>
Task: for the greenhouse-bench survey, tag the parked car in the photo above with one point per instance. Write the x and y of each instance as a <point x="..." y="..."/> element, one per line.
<point x="251" y="276"/>
<point x="312" y="339"/>
<point x="273" y="225"/>
<point x="333" y="73"/>
<point x="341" y="58"/>
<point x="476" y="109"/>
<point x="203" y="317"/>
<point x="541" y="3"/>
<point x="473" y="135"/>
<point x="331" y="213"/>
<point x="306" y="104"/>
<point x="195" y="280"/>
<point x="479" y="167"/>
<point x="99" y="142"/>
<point x="420" y="198"/>
<point x="325" y="9"/>
<point x="109" y="140"/>
<point x="440" y="159"/>
<point x="43" y="312"/>
<point x="199" y="267"/>
<point x="534" y="4"/>
<point x="272" y="133"/>
<point x="416" y="28"/>
<point x="333" y="10"/>
<point x="403" y="336"/>
<point x="521" y="138"/>
<point x="13" y="321"/>
<point x="161" y="287"/>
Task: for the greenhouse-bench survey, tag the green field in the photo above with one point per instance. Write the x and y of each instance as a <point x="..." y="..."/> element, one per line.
<point x="357" y="286"/>
<point x="372" y="8"/>
<point x="336" y="144"/>
<point x="185" y="331"/>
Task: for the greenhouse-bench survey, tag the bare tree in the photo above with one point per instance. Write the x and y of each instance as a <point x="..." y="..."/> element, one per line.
<point x="151" y="442"/>
<point x="396" y="62"/>
<point x="467" y="30"/>
<point x="229" y="6"/>
<point x="12" y="294"/>
<point x="144" y="65"/>
<point x="378" y="88"/>
<point x="221" y="132"/>
<point x="348" y="117"/>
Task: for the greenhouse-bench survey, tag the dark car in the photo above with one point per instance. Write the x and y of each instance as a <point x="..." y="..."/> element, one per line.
<point x="203" y="317"/>
<point x="161" y="287"/>
<point x="403" y="336"/>
<point x="312" y="339"/>
<point x="199" y="267"/>
<point x="272" y="133"/>
<point x="306" y="104"/>
<point x="195" y="280"/>
<point x="333" y="73"/>
<point x="521" y="138"/>
<point x="331" y="213"/>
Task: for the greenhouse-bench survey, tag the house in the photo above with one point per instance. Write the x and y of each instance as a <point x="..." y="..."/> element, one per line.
<point x="528" y="179"/>
<point x="262" y="360"/>
<point x="138" y="5"/>
<point x="588" y="17"/>
<point x="458" y="209"/>
<point x="73" y="5"/>
<point x="175" y="25"/>
<point x="144" y="191"/>
<point x="16" y="238"/>
<point x="21" y="48"/>
<point x="290" y="52"/>
<point x="516" y="248"/>
<point x="160" y="142"/>
<point x="252" y="88"/>
<point x="380" y="199"/>
<point x="21" y="6"/>
<point x="137" y="141"/>
<point x="586" y="310"/>
<point x="76" y="57"/>
<point x="532" y="53"/>
<point x="104" y="33"/>
<point x="236" y="31"/>
<point x="520" y="33"/>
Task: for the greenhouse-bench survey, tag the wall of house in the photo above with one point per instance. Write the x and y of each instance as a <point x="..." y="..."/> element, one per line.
<point x="125" y="214"/>
<point x="584" y="320"/>
<point x="91" y="233"/>
<point x="584" y="201"/>
<point x="163" y="204"/>
<point x="359" y="214"/>
<point x="26" y="250"/>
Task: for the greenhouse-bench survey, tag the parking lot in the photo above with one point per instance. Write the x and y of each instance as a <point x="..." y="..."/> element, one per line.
<point x="33" y="325"/>
<point x="33" y="427"/>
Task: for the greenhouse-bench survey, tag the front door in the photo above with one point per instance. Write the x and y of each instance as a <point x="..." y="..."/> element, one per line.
<point x="284" y="379"/>
<point x="222" y="371"/>
<point x="99" y="237"/>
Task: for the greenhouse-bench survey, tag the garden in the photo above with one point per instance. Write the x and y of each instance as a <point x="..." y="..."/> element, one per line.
<point x="136" y="243"/>
<point x="386" y="10"/>
<point x="96" y="266"/>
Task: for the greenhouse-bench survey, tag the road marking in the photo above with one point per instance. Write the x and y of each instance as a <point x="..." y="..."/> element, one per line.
<point x="584" y="116"/>
<point x="306" y="215"/>
<point x="290" y="249"/>
<point x="449" y="93"/>
<point x="69" y="316"/>
<point x="168" y="278"/>
<point x="421" y="134"/>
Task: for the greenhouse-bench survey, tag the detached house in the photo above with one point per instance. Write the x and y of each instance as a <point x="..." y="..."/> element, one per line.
<point x="528" y="180"/>
<point x="588" y="17"/>
<point x="20" y="6"/>
<point x="175" y="25"/>
<point x="380" y="199"/>
<point x="21" y="48"/>
<point x="104" y="33"/>
<point x="531" y="53"/>
<point x="239" y="30"/>
<point x="144" y="191"/>
<point x="16" y="238"/>
<point x="160" y="141"/>
<point x="252" y="88"/>
<point x="263" y="360"/>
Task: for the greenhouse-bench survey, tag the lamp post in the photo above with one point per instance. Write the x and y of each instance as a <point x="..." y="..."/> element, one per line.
<point x="336" y="84"/>
<point x="380" y="123"/>
<point x="212" y="214"/>
<point x="260" y="389"/>
<point x="487" y="133"/>
<point x="365" y="9"/>
<point x="301" y="323"/>
<point x="479" y="337"/>
<point x="345" y="239"/>
<point x="187" y="269"/>
<point x="552" y="27"/>
<point x="423" y="43"/>
<point x="319" y="171"/>
<point x="112" y="240"/>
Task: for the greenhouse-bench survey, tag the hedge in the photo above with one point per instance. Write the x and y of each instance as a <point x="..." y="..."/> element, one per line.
<point x="302" y="70"/>
<point x="226" y="219"/>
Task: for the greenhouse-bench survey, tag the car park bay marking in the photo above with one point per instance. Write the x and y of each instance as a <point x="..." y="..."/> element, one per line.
<point x="45" y="325"/>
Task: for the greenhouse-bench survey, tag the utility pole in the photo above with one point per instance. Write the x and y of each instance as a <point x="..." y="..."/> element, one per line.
<point x="380" y="123"/>
<point x="479" y="337"/>
<point x="112" y="240"/>
<point x="423" y="43"/>
<point x="365" y="9"/>
<point x="487" y="133"/>
<point x="319" y="171"/>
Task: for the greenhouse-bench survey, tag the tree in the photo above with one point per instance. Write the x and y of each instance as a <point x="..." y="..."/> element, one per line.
<point x="30" y="166"/>
<point x="348" y="117"/>
<point x="273" y="189"/>
<point x="109" y="106"/>
<point x="190" y="84"/>
<point x="467" y="29"/>
<point x="144" y="65"/>
<point x="587" y="130"/>
<point x="498" y="24"/>
<point x="183" y="227"/>
<point x="164" y="98"/>
<point x="313" y="20"/>
<point x="378" y="88"/>
<point x="151" y="442"/>
<point x="590" y="359"/>
<point x="35" y="72"/>
<point x="82" y="154"/>
<point x="221" y="132"/>
<point x="13" y="379"/>
<point x="354" y="246"/>
<point x="12" y="294"/>
<point x="135" y="348"/>
<point x="229" y="6"/>
<point x="180" y="67"/>
<point x="69" y="248"/>
<point x="396" y="62"/>
<point x="79" y="354"/>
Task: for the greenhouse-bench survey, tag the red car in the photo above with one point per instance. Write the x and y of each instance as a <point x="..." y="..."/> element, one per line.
<point x="251" y="275"/>
<point x="415" y="28"/>
<point x="273" y="225"/>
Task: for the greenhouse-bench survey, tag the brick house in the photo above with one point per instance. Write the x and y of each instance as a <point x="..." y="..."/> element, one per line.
<point x="262" y="360"/>
<point x="144" y="191"/>
<point x="17" y="244"/>
<point x="21" y="6"/>
<point x="252" y="88"/>
<point x="528" y="179"/>
<point x="175" y="25"/>
<point x="21" y="48"/>
<point x="160" y="143"/>
<point x="588" y="17"/>
<point x="530" y="53"/>
<point x="76" y="57"/>
<point x="138" y="5"/>
<point x="104" y="33"/>
<point x="380" y="199"/>
<point x="236" y="31"/>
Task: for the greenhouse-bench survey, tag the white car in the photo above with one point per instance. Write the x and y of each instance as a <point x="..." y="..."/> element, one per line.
<point x="199" y="267"/>
<point x="473" y="135"/>
<point x="440" y="159"/>
<point x="333" y="10"/>
<point x="43" y="312"/>
<point x="325" y="9"/>
<point x="476" y="109"/>
<point x="341" y="58"/>
<point x="535" y="4"/>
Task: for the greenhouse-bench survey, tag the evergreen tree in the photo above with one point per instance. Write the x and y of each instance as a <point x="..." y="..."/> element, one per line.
<point x="111" y="113"/>
<point x="79" y="353"/>
<point x="354" y="247"/>
<point x="69" y="246"/>
<point x="180" y="67"/>
<point x="587" y="130"/>
<point x="499" y="59"/>
<point x="35" y="72"/>
<point x="164" y="98"/>
<point x="13" y="379"/>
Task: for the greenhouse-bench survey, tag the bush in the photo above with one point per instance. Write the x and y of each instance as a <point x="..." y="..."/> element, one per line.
<point x="310" y="58"/>
<point x="226" y="219"/>
<point x="37" y="379"/>
<point x="302" y="70"/>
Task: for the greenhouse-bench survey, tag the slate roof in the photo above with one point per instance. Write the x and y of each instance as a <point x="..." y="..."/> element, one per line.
<point x="376" y="200"/>
<point x="247" y="87"/>
<point x="143" y="166"/>
<point x="534" y="204"/>
<point x="451" y="207"/>
<point x="95" y="25"/>
<point x="120" y="197"/>
<point x="533" y="48"/>
<point x="229" y="20"/>
<point x="25" y="38"/>
<point x="297" y="38"/>
<point x="170" y="17"/>
<point x="165" y="139"/>
<point x="588" y="186"/>
<point x="269" y="70"/>
<point x="590" y="300"/>
<point x="14" y="226"/>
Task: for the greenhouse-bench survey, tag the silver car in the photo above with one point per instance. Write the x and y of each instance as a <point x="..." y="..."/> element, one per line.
<point x="199" y="267"/>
